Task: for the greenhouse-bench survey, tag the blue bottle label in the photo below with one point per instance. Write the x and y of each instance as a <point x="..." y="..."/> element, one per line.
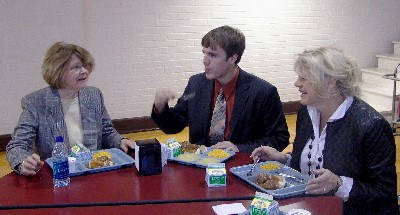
<point x="60" y="169"/>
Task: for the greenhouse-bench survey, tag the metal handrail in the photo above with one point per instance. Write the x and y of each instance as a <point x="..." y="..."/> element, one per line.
<point x="394" y="75"/>
<point x="395" y="79"/>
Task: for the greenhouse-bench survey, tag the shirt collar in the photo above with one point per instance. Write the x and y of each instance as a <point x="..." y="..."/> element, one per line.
<point x="341" y="110"/>
<point x="338" y="114"/>
<point x="227" y="88"/>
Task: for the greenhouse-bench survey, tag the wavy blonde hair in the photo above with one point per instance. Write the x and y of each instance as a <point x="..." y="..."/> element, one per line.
<point x="329" y="61"/>
<point x="55" y="62"/>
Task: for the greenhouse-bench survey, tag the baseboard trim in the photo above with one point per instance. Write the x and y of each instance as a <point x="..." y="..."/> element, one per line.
<point x="4" y="139"/>
<point x="291" y="107"/>
<point x="138" y="124"/>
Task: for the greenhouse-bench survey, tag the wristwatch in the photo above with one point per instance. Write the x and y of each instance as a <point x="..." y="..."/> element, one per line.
<point x="18" y="168"/>
<point x="339" y="182"/>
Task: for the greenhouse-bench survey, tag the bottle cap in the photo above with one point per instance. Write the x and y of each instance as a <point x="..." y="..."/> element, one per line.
<point x="59" y="139"/>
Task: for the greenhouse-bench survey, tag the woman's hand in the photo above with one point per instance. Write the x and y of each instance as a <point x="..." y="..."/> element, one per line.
<point x="125" y="144"/>
<point x="267" y="153"/>
<point x="31" y="165"/>
<point x="226" y="145"/>
<point x="324" y="182"/>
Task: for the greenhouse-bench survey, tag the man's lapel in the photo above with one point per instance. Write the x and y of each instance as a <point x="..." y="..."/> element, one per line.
<point x="241" y="98"/>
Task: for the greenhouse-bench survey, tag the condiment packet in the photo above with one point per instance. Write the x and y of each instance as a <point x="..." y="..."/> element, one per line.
<point x="71" y="164"/>
<point x="164" y="154"/>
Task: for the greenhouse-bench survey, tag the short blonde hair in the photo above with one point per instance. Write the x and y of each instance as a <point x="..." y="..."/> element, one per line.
<point x="329" y="61"/>
<point x="55" y="62"/>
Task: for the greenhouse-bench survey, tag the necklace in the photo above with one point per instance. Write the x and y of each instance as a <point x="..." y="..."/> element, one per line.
<point x="309" y="157"/>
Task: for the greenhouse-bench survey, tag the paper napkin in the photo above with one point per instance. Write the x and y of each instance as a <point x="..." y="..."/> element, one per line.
<point x="226" y="209"/>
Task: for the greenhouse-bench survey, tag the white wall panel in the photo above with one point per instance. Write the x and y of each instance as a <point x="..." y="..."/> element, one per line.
<point x="142" y="45"/>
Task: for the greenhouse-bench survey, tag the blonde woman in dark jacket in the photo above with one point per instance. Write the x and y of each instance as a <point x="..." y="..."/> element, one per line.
<point x="341" y="142"/>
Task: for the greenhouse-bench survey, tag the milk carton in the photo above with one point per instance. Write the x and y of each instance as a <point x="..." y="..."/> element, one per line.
<point x="80" y="152"/>
<point x="216" y="175"/>
<point x="174" y="148"/>
<point x="263" y="204"/>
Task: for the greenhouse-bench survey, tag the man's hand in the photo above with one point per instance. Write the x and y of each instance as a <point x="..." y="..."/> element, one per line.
<point x="162" y="98"/>
<point x="226" y="145"/>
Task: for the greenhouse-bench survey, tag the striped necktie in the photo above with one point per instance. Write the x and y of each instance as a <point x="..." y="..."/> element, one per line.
<point x="217" y="127"/>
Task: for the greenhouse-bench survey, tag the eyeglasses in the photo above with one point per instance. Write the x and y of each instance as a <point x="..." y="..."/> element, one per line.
<point x="78" y="67"/>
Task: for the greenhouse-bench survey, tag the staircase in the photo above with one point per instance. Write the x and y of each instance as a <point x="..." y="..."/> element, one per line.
<point x="378" y="91"/>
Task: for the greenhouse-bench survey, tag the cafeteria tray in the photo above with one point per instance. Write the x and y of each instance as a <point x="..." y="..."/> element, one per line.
<point x="120" y="159"/>
<point x="201" y="156"/>
<point x="296" y="182"/>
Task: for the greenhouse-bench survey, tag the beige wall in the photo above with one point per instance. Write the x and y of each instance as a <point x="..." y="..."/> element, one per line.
<point x="142" y="45"/>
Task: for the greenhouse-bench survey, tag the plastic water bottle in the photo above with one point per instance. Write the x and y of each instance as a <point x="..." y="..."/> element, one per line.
<point x="60" y="163"/>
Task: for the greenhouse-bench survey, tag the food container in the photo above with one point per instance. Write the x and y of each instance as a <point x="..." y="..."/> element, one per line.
<point x="120" y="158"/>
<point x="203" y="159"/>
<point x="174" y="148"/>
<point x="295" y="182"/>
<point x="264" y="204"/>
<point x="80" y="152"/>
<point x="216" y="175"/>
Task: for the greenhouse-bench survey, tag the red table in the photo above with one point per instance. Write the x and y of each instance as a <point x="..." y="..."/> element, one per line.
<point x="316" y="205"/>
<point x="179" y="185"/>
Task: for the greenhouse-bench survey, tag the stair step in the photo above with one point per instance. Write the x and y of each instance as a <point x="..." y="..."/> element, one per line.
<point x="378" y="97"/>
<point x="383" y="91"/>
<point x="374" y="76"/>
<point x="388" y="62"/>
<point x="384" y="110"/>
<point x="376" y="90"/>
<point x="378" y="71"/>
<point x="396" y="47"/>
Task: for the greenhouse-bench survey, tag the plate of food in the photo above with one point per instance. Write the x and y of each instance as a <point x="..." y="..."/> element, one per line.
<point x="99" y="161"/>
<point x="273" y="178"/>
<point x="201" y="156"/>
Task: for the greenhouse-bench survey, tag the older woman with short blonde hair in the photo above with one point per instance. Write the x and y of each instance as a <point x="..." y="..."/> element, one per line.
<point x="342" y="143"/>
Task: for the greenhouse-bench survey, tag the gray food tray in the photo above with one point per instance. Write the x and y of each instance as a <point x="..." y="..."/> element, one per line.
<point x="120" y="158"/>
<point x="293" y="186"/>
<point x="204" y="155"/>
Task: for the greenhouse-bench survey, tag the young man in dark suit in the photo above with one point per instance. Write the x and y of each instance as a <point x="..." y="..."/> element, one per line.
<point x="252" y="110"/>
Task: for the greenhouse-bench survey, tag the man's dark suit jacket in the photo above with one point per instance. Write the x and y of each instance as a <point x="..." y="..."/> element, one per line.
<point x="257" y="117"/>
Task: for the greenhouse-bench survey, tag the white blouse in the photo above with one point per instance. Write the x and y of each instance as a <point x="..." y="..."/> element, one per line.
<point x="72" y="117"/>
<point x="318" y="145"/>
